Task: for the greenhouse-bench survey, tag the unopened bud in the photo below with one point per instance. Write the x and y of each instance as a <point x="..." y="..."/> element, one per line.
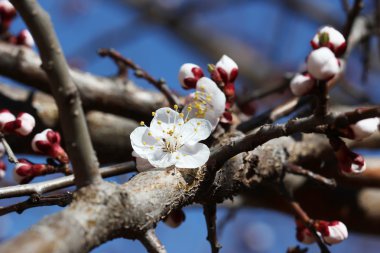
<point x="227" y="69"/>
<point x="48" y="142"/>
<point x="301" y="84"/>
<point x="329" y="37"/>
<point x="322" y="64"/>
<point x="189" y="74"/>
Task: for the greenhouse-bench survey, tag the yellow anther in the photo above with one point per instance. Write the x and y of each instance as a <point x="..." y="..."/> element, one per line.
<point x="175" y="107"/>
<point x="208" y="97"/>
<point x="189" y="108"/>
<point x="151" y="147"/>
<point x="150" y="133"/>
<point x="144" y="142"/>
<point x="159" y="122"/>
<point x="202" y="88"/>
<point x="204" y="102"/>
<point x="167" y="111"/>
<point x="142" y="123"/>
<point x="198" y="123"/>
<point x="177" y="157"/>
<point x="153" y="114"/>
<point x="180" y="124"/>
<point x="181" y="115"/>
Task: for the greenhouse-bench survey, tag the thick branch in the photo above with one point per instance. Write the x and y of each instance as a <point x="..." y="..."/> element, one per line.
<point x="74" y="127"/>
<point x="151" y="242"/>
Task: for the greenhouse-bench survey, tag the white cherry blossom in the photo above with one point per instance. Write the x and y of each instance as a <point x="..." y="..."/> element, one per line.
<point x="322" y="64"/>
<point x="208" y="102"/>
<point x="336" y="232"/>
<point x="172" y="139"/>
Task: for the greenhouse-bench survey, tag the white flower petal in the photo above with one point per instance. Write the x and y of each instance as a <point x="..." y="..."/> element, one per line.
<point x="141" y="163"/>
<point x="192" y="156"/>
<point x="207" y="102"/>
<point x="160" y="159"/>
<point x="335" y="37"/>
<point x="322" y="64"/>
<point x="164" y="121"/>
<point x="142" y="142"/>
<point x="195" y="130"/>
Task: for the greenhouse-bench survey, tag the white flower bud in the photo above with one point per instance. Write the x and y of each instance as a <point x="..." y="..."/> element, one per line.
<point x="336" y="232"/>
<point x="189" y="74"/>
<point x="5" y="117"/>
<point x="27" y="124"/>
<point x="330" y="37"/>
<point x="227" y="68"/>
<point x="301" y="84"/>
<point x="25" y="38"/>
<point x="364" y="128"/>
<point x="322" y="64"/>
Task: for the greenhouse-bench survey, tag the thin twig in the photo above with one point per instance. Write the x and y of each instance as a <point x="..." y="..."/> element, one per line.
<point x="209" y="211"/>
<point x="160" y="84"/>
<point x="11" y="156"/>
<point x="63" y="182"/>
<point x="298" y="170"/>
<point x="71" y="115"/>
<point x="351" y="16"/>
<point x="151" y="242"/>
<point x="322" y="97"/>
<point x="36" y="200"/>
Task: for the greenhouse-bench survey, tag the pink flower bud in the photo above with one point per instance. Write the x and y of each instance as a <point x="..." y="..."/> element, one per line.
<point x="3" y="169"/>
<point x="24" y="171"/>
<point x="301" y="84"/>
<point x="175" y="218"/>
<point x="348" y="161"/>
<point x="322" y="64"/>
<point x="329" y="37"/>
<point x="303" y="234"/>
<point x="332" y="231"/>
<point x="23" y="125"/>
<point x="5" y="117"/>
<point x="227" y="69"/>
<point x="25" y="38"/>
<point x="48" y="142"/>
<point x="189" y="74"/>
<point x="7" y="14"/>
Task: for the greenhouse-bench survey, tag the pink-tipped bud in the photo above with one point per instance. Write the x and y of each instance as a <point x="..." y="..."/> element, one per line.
<point x="303" y="234"/>
<point x="301" y="84"/>
<point x="175" y="218"/>
<point x="332" y="232"/>
<point x="48" y="142"/>
<point x="5" y="117"/>
<point x="227" y="69"/>
<point x="189" y="74"/>
<point x="330" y="37"/>
<point x="348" y="162"/>
<point x="3" y="169"/>
<point x="25" y="38"/>
<point x="24" y="171"/>
<point x="322" y="64"/>
<point x="22" y="125"/>
<point x="7" y="14"/>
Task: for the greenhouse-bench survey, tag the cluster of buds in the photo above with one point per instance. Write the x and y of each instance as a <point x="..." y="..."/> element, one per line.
<point x="175" y="218"/>
<point x="22" y="125"/>
<point x="348" y="162"/>
<point x="48" y="143"/>
<point x="223" y="73"/>
<point x="332" y="232"/>
<point x="322" y="63"/>
<point x="7" y="15"/>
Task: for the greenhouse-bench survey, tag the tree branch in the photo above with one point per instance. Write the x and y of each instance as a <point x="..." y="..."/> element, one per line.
<point x="209" y="211"/>
<point x="151" y="242"/>
<point x="74" y="127"/>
